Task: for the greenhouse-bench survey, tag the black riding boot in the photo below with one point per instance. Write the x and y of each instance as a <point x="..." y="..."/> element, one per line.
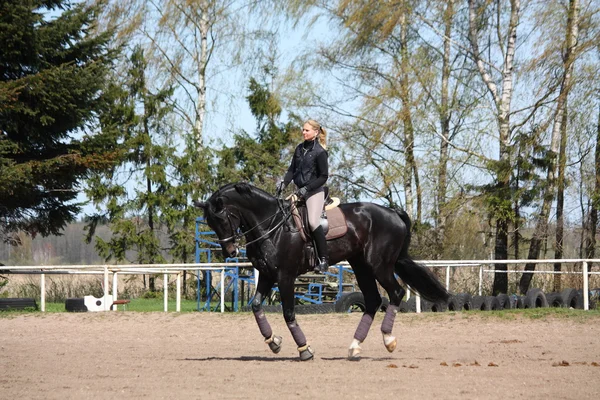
<point x="321" y="247"/>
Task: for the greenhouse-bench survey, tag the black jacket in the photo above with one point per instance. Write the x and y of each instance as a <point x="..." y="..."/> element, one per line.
<point x="309" y="167"/>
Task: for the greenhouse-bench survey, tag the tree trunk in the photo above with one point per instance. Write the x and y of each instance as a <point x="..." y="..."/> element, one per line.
<point x="541" y="228"/>
<point x="406" y="117"/>
<point x="445" y="130"/>
<point x="590" y="248"/>
<point x="502" y="103"/>
<point x="201" y="62"/>
<point x="560" y="201"/>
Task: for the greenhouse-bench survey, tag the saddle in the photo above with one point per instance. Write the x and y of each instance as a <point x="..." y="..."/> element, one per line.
<point x="337" y="221"/>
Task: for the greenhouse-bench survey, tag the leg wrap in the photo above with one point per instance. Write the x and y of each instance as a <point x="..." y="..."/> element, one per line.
<point x="363" y="327"/>
<point x="263" y="324"/>
<point x="297" y="333"/>
<point x="388" y="320"/>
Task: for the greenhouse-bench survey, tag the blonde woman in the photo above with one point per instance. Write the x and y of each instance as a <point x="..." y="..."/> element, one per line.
<point x="309" y="170"/>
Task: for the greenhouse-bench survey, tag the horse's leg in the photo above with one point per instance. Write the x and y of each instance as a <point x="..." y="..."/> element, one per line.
<point x="263" y="288"/>
<point x="388" y="281"/>
<point x="368" y="286"/>
<point x="286" y="289"/>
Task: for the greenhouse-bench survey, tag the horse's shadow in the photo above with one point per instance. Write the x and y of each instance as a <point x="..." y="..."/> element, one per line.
<point x="279" y="359"/>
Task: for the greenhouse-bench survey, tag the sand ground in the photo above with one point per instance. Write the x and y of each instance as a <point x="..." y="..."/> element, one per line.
<point x="222" y="356"/>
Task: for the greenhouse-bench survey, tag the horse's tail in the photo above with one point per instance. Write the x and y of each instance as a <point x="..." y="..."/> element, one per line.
<point x="417" y="276"/>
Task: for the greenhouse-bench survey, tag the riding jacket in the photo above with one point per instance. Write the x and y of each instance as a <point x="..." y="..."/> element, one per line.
<point x="309" y="167"/>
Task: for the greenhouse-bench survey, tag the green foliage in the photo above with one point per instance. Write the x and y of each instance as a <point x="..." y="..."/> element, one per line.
<point x="261" y="159"/>
<point x="52" y="80"/>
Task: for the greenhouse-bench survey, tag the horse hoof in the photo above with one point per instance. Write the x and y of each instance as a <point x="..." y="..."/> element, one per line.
<point x="274" y="343"/>
<point x="306" y="353"/>
<point x="389" y="342"/>
<point x="354" y="353"/>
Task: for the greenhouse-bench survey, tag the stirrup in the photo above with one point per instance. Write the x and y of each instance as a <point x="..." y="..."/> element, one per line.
<point x="322" y="266"/>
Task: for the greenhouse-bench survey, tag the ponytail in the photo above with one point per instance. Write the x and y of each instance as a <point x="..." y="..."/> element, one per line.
<point x="322" y="135"/>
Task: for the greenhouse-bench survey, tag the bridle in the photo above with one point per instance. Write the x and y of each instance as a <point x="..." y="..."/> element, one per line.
<point x="236" y="236"/>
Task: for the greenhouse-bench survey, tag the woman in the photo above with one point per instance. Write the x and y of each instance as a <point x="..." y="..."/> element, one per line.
<point x="309" y="171"/>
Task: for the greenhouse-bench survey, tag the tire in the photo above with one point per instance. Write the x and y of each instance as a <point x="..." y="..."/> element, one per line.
<point x="75" y="304"/>
<point x="351" y="302"/>
<point x="434" y="307"/>
<point x="519" y="302"/>
<point x="411" y="304"/>
<point x="404" y="307"/>
<point x="478" y="302"/>
<point x="467" y="301"/>
<point x="535" y="298"/>
<point x="572" y="299"/>
<point x="454" y="304"/>
<point x="272" y="308"/>
<point x="19" y="303"/>
<point x="555" y="300"/>
<point x="491" y="303"/>
<point x="384" y="304"/>
<point x="325" y="308"/>
<point x="504" y="300"/>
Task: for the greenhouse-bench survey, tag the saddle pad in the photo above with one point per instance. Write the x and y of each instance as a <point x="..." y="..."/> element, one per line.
<point x="335" y="218"/>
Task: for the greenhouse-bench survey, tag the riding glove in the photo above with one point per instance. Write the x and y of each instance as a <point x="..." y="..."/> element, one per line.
<point x="302" y="192"/>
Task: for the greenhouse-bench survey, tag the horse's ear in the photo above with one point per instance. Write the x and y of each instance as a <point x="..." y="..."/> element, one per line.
<point x="200" y="204"/>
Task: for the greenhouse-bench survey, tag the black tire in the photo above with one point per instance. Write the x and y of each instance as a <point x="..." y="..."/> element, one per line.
<point x="518" y="303"/>
<point x="467" y="301"/>
<point x="555" y="300"/>
<point x="491" y="303"/>
<point x="75" y="304"/>
<point x="572" y="299"/>
<point x="384" y="304"/>
<point x="454" y="304"/>
<point x="404" y="307"/>
<point x="504" y="300"/>
<point x="273" y="308"/>
<point x="535" y="298"/>
<point x="434" y="307"/>
<point x="324" y="308"/>
<point x="351" y="302"/>
<point x="18" y="303"/>
<point x="411" y="304"/>
<point x="477" y="302"/>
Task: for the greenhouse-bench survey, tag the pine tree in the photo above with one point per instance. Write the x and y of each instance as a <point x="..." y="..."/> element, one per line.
<point x="52" y="80"/>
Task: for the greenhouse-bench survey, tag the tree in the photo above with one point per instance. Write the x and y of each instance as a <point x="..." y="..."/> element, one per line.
<point x="145" y="152"/>
<point x="52" y="80"/>
<point x="261" y="160"/>
<point x="541" y="227"/>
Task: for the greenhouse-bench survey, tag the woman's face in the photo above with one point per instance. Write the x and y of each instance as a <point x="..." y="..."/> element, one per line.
<point x="309" y="132"/>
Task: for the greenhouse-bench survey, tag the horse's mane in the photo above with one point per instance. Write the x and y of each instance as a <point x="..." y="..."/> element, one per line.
<point x="246" y="190"/>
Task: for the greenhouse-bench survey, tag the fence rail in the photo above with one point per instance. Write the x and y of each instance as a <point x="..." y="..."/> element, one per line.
<point x="177" y="269"/>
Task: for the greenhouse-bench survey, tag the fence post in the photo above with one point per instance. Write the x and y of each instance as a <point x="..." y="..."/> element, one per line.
<point x="448" y="277"/>
<point x="166" y="291"/>
<point x="115" y="290"/>
<point x="586" y="292"/>
<point x="480" y="280"/>
<point x="43" y="292"/>
<point x="178" y="296"/>
<point x="106" y="308"/>
<point x="223" y="289"/>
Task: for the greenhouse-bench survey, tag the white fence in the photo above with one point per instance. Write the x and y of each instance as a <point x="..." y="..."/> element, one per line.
<point x="484" y="266"/>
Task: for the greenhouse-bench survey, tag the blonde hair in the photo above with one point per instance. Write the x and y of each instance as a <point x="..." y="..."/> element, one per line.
<point x="322" y="133"/>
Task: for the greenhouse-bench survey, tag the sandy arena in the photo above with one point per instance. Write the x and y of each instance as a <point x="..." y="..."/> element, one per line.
<point x="213" y="356"/>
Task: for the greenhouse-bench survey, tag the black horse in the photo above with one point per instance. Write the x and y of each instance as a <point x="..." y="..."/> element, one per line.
<point x="375" y="245"/>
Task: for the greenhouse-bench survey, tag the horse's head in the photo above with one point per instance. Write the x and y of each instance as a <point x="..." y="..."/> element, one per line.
<point x="233" y="206"/>
<point x="224" y="221"/>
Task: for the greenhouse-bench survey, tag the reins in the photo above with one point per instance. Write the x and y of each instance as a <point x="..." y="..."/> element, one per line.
<point x="241" y="234"/>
